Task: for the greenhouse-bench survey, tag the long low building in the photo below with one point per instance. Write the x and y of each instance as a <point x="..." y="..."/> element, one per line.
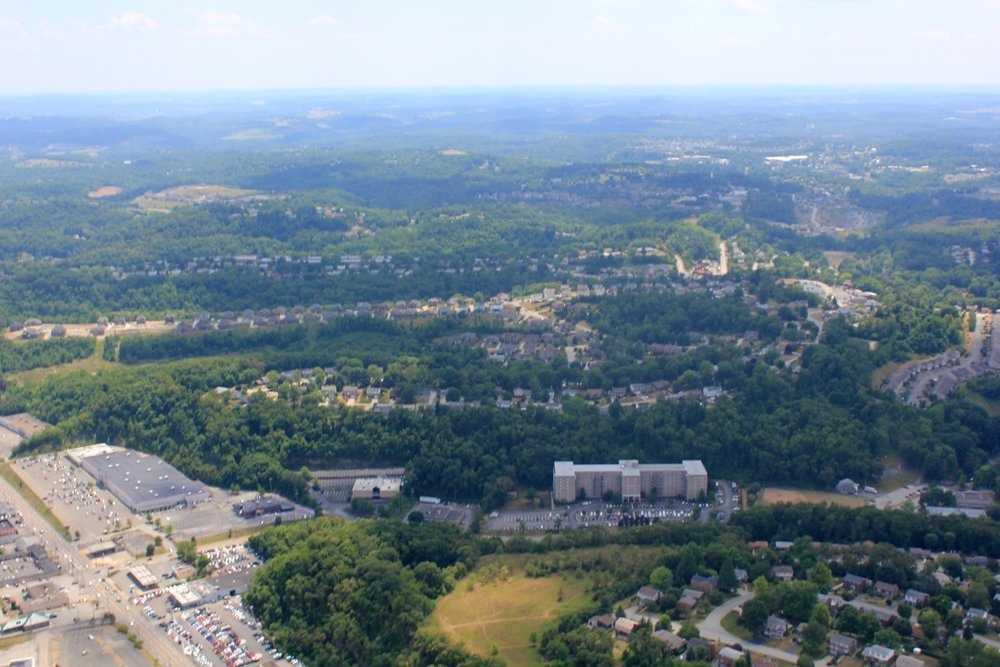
<point x="628" y="480"/>
<point x="143" y="482"/>
<point x="339" y="484"/>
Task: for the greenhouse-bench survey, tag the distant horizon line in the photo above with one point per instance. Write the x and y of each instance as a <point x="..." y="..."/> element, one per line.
<point x="521" y="88"/>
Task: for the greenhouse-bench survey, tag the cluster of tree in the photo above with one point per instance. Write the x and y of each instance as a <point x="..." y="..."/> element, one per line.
<point x="22" y="356"/>
<point x="846" y="525"/>
<point x="677" y="318"/>
<point x="821" y="425"/>
<point x="67" y="293"/>
<point x="792" y="600"/>
<point x="333" y="592"/>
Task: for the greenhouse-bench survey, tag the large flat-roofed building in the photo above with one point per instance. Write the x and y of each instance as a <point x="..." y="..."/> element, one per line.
<point x="143" y="482"/>
<point x="629" y="480"/>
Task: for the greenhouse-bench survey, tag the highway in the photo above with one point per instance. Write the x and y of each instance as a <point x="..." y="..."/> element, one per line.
<point x="95" y="585"/>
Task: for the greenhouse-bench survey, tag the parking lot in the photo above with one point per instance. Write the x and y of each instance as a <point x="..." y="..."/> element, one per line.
<point x="457" y="515"/>
<point x="588" y="514"/>
<point x="221" y="633"/>
<point x="72" y="494"/>
<point x="216" y="516"/>
<point x="230" y="560"/>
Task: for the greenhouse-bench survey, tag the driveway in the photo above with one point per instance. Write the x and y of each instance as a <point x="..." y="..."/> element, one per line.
<point x="711" y="629"/>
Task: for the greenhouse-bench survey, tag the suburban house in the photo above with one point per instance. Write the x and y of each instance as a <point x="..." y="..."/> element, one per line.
<point x="699" y="649"/>
<point x="648" y="595"/>
<point x="834" y="602"/>
<point x="674" y="643"/>
<point x="624" y="627"/>
<point x="687" y="603"/>
<point x="842" y="644"/>
<point x="704" y="584"/>
<point x="887" y="590"/>
<point x="601" y="622"/>
<point x="691" y="593"/>
<point x="916" y="598"/>
<point x="878" y="656"/>
<point x="783" y="572"/>
<point x="741" y="575"/>
<point x="976" y="614"/>
<point x="728" y="656"/>
<point x="856" y="583"/>
<point x="776" y="627"/>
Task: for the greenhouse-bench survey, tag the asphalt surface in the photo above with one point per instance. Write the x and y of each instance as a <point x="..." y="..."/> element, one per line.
<point x="95" y="585"/>
<point x="711" y="629"/>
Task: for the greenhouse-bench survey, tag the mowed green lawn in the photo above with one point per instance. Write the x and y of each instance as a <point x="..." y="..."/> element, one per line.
<point x="503" y="614"/>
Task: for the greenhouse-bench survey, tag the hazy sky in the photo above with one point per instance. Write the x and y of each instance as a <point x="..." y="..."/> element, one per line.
<point x="167" y="45"/>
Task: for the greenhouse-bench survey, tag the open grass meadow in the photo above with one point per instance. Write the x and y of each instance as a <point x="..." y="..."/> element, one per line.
<point x="498" y="607"/>
<point x="91" y="364"/>
<point x="774" y="495"/>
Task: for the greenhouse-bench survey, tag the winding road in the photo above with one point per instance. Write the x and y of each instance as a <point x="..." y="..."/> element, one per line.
<point x="711" y="629"/>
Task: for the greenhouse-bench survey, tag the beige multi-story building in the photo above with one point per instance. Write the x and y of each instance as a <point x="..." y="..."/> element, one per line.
<point x="628" y="480"/>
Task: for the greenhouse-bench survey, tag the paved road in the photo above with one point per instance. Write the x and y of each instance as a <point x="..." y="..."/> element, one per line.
<point x="711" y="629"/>
<point x="95" y="584"/>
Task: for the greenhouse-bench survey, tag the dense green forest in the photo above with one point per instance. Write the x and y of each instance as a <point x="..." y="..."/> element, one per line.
<point x="337" y="592"/>
<point x="821" y="425"/>
<point x="22" y="356"/>
<point x="393" y="197"/>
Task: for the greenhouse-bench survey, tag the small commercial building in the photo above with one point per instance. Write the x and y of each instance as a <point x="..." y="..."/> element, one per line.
<point x="262" y="506"/>
<point x="143" y="578"/>
<point x="183" y="597"/>
<point x="338" y="484"/>
<point x="376" y="488"/>
<point x="101" y="549"/>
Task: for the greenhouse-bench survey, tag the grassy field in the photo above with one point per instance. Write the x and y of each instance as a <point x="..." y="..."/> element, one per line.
<point x="188" y="195"/>
<point x="836" y="257"/>
<point x="731" y="623"/>
<point x="234" y="534"/>
<point x="502" y="614"/>
<point x="91" y="364"/>
<point x="896" y="475"/>
<point x="992" y="408"/>
<point x="12" y="478"/>
<point x="774" y="495"/>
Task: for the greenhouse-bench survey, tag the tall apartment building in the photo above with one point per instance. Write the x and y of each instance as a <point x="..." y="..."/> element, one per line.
<point x="629" y="480"/>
